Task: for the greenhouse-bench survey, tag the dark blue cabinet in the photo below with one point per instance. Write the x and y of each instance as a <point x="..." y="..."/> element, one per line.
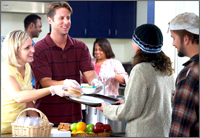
<point x="99" y="20"/>
<point x="109" y="19"/>
<point x="123" y="19"/>
<point x="79" y="19"/>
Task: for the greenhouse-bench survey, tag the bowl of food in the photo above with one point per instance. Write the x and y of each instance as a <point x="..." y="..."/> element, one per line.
<point x="88" y="89"/>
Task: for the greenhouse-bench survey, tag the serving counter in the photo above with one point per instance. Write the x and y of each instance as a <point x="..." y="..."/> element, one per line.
<point x="112" y="135"/>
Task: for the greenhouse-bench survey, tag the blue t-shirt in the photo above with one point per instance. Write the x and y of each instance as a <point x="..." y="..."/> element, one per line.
<point x="33" y="80"/>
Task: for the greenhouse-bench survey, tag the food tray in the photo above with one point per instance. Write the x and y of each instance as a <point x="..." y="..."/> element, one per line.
<point x="110" y="100"/>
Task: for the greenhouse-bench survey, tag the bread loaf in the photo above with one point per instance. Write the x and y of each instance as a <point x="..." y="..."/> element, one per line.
<point x="64" y="126"/>
<point x="75" y="91"/>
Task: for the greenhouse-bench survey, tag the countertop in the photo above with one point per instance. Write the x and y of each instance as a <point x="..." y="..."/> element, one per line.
<point x="112" y="135"/>
<point x="117" y="135"/>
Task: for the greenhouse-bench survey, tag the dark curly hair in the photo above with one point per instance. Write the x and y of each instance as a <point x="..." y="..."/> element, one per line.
<point x="158" y="60"/>
<point x="29" y="19"/>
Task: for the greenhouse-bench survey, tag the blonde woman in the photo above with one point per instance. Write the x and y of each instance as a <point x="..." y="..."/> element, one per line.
<point x="16" y="89"/>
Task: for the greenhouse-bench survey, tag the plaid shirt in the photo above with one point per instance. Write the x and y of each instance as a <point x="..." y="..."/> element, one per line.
<point x="185" y="115"/>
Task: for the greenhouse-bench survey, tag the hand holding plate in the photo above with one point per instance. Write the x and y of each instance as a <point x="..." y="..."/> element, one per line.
<point x="97" y="83"/>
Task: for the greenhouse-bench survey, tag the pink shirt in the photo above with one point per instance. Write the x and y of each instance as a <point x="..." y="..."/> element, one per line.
<point x="97" y="69"/>
<point x="111" y="64"/>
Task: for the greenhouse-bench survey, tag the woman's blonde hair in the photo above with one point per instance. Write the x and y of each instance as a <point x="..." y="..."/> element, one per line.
<point x="11" y="45"/>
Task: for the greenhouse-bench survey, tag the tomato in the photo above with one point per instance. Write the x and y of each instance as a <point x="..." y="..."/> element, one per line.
<point x="89" y="128"/>
<point x="99" y="123"/>
<point x="98" y="128"/>
<point x="107" y="127"/>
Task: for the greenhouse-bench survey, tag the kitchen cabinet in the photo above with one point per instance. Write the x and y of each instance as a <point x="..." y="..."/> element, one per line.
<point x="123" y="19"/>
<point x="109" y="19"/>
<point x="99" y="21"/>
<point x="79" y="19"/>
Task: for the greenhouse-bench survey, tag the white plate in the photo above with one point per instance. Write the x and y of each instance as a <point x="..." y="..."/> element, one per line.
<point x="88" y="99"/>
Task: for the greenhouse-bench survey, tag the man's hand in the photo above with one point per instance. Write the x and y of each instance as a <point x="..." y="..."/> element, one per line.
<point x="71" y="84"/>
<point x="97" y="83"/>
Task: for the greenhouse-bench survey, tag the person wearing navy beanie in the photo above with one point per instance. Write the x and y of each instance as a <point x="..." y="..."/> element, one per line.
<point x="147" y="107"/>
<point x="149" y="38"/>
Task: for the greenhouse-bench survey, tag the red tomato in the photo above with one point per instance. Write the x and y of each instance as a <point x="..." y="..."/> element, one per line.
<point x="99" y="123"/>
<point x="98" y="128"/>
<point x="107" y="127"/>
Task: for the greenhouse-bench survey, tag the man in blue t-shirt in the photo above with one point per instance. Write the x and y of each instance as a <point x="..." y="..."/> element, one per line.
<point x="33" y="26"/>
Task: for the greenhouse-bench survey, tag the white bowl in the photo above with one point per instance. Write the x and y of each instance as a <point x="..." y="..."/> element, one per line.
<point x="87" y="89"/>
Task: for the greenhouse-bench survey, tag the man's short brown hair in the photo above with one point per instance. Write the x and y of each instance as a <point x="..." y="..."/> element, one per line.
<point x="193" y="37"/>
<point x="50" y="10"/>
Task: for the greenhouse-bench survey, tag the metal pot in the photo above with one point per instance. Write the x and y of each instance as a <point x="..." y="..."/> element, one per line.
<point x="92" y="116"/>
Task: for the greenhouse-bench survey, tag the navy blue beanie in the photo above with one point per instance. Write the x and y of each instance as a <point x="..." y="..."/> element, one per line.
<point x="149" y="38"/>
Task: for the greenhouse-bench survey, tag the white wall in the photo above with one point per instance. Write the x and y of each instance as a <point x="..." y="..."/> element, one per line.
<point x="122" y="47"/>
<point x="12" y="21"/>
<point x="141" y="12"/>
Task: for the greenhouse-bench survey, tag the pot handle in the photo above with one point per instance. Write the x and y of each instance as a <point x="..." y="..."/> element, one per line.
<point x="86" y="111"/>
<point x="95" y="111"/>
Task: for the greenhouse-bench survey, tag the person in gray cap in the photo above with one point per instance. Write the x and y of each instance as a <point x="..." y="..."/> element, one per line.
<point x="147" y="105"/>
<point x="184" y="30"/>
